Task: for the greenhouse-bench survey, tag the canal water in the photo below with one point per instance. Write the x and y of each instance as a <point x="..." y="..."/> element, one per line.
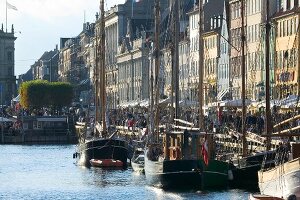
<point x="50" y="172"/>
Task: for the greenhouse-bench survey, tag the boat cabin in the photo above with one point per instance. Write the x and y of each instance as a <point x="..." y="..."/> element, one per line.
<point x="185" y="144"/>
<point x="45" y="124"/>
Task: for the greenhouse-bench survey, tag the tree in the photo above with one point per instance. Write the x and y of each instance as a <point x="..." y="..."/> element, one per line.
<point x="38" y="94"/>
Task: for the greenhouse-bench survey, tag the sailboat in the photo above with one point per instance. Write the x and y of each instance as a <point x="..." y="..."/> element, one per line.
<point x="245" y="173"/>
<point x="181" y="160"/>
<point x="101" y="150"/>
<point x="169" y="164"/>
<point x="283" y="180"/>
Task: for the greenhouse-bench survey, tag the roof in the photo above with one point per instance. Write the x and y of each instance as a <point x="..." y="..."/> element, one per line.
<point x="212" y="8"/>
<point x="282" y="13"/>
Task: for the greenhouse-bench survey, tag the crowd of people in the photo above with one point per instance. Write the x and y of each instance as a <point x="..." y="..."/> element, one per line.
<point x="217" y="119"/>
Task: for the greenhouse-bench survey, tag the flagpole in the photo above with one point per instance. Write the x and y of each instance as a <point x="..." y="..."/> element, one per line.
<point x="6" y="16"/>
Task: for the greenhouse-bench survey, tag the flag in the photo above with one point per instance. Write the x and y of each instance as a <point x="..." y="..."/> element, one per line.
<point x="9" y="6"/>
<point x="204" y="150"/>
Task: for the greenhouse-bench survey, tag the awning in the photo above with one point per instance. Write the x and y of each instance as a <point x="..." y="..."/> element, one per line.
<point x="222" y="94"/>
<point x="289" y="101"/>
<point x="3" y="119"/>
<point x="56" y="119"/>
<point x="235" y="103"/>
<point x="85" y="82"/>
<point x="186" y="102"/>
<point x="17" y="98"/>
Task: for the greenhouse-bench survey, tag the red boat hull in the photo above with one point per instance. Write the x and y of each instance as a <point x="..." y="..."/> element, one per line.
<point x="106" y="163"/>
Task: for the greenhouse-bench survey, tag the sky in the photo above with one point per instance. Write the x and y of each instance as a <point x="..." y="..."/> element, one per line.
<point x="39" y="24"/>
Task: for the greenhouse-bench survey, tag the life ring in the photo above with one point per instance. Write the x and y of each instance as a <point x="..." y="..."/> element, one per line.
<point x="174" y="153"/>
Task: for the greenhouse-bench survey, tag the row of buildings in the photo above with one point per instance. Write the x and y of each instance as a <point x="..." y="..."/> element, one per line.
<point x="129" y="29"/>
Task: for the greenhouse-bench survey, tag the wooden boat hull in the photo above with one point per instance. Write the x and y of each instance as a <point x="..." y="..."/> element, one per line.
<point x="103" y="149"/>
<point x="281" y="181"/>
<point x="106" y="163"/>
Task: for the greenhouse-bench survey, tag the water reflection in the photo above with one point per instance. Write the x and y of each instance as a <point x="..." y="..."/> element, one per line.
<point x="50" y="172"/>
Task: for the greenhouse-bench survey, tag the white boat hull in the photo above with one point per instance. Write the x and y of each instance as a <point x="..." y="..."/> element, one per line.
<point x="137" y="167"/>
<point x="281" y="181"/>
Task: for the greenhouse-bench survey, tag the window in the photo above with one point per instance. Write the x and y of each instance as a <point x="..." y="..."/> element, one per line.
<point x="37" y="125"/>
<point x="25" y="126"/>
<point x="283" y="29"/>
<point x="279" y="29"/>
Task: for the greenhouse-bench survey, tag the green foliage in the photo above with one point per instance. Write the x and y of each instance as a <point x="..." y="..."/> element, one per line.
<point x="38" y="94"/>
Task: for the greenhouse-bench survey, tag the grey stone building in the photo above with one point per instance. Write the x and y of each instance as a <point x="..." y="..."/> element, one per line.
<point x="46" y="67"/>
<point x="7" y="65"/>
<point x="133" y="70"/>
<point x="116" y="29"/>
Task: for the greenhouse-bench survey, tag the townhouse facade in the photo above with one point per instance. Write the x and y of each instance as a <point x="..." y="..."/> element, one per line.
<point x="125" y="22"/>
<point x="133" y="70"/>
<point x="223" y="69"/>
<point x="46" y="68"/>
<point x="287" y="46"/>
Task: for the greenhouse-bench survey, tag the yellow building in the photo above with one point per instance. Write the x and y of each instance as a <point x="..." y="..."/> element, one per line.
<point x="210" y="66"/>
<point x="286" y="49"/>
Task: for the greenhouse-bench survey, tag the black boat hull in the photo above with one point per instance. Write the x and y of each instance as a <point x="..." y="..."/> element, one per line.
<point x="103" y="149"/>
<point x="173" y="173"/>
<point x="245" y="176"/>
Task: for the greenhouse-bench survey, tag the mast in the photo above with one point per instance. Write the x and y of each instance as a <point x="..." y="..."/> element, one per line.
<point x="96" y="78"/>
<point x="175" y="59"/>
<point x="201" y="66"/>
<point x="243" y="70"/>
<point x="176" y="54"/>
<point x="267" y="89"/>
<point x="156" y="70"/>
<point x="102" y="67"/>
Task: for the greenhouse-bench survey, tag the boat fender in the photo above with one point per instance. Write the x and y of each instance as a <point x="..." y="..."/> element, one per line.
<point x="230" y="175"/>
